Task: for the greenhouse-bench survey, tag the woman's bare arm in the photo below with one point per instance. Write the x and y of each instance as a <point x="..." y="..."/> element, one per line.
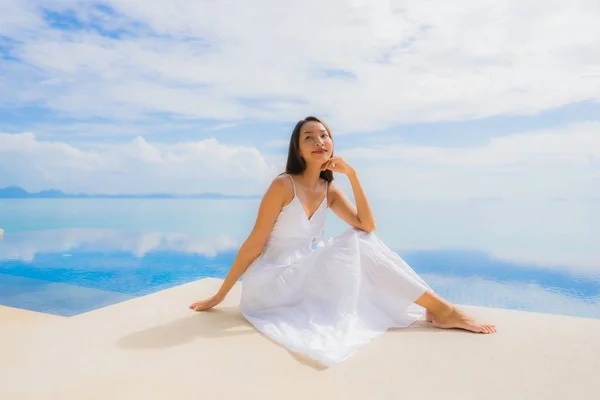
<point x="361" y="216"/>
<point x="253" y="246"/>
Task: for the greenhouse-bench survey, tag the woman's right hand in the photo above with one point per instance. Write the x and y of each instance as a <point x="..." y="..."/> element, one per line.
<point x="207" y="304"/>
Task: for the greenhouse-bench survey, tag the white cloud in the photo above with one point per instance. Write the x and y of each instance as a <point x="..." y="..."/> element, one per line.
<point x="407" y="61"/>
<point x="133" y="167"/>
<point x="571" y="144"/>
<point x="557" y="163"/>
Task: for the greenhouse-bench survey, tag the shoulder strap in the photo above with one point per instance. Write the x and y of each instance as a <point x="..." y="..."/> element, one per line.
<point x="293" y="184"/>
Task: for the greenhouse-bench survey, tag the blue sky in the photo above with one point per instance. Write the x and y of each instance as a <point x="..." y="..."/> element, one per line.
<point x="99" y="94"/>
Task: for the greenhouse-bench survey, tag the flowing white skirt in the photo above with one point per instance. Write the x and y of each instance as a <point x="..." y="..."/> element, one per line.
<point x="330" y="302"/>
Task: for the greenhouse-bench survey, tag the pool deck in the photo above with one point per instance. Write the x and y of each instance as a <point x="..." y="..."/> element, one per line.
<point x="14" y="324"/>
<point x="154" y="347"/>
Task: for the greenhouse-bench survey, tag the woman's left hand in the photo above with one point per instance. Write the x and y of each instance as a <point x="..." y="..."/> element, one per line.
<point x="337" y="164"/>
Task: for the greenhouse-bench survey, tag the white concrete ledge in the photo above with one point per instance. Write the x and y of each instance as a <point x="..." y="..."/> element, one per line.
<point x="154" y="347"/>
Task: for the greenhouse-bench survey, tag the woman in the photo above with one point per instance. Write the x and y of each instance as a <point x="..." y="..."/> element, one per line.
<point x="326" y="300"/>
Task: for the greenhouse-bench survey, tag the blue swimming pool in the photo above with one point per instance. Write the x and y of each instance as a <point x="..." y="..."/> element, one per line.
<point x="65" y="269"/>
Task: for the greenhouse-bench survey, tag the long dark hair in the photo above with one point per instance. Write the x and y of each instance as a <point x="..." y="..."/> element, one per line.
<point x="295" y="163"/>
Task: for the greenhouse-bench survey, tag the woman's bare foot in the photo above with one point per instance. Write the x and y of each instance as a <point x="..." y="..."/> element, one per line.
<point x="459" y="320"/>
<point x="429" y="316"/>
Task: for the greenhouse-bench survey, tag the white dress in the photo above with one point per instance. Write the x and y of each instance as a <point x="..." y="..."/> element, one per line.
<point x="330" y="299"/>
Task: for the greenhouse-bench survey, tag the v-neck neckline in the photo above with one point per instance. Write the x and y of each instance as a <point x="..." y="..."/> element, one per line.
<point x="304" y="209"/>
<point x="306" y="217"/>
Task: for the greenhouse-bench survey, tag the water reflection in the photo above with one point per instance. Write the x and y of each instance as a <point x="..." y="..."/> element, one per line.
<point x="27" y="245"/>
<point x="69" y="271"/>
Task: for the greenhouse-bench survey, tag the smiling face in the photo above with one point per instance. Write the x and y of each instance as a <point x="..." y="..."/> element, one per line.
<point x="315" y="144"/>
<point x="311" y="143"/>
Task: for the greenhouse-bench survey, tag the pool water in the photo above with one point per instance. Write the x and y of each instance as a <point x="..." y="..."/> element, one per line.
<point x="68" y="257"/>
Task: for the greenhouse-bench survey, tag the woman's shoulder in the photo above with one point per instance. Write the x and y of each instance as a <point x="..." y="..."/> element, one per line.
<point x="283" y="180"/>
<point x="282" y="185"/>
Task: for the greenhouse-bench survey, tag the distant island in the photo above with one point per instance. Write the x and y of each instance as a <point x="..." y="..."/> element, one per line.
<point x="16" y="192"/>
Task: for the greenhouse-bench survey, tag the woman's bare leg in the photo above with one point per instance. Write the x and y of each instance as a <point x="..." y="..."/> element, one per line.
<point x="447" y="316"/>
<point x="429" y="316"/>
